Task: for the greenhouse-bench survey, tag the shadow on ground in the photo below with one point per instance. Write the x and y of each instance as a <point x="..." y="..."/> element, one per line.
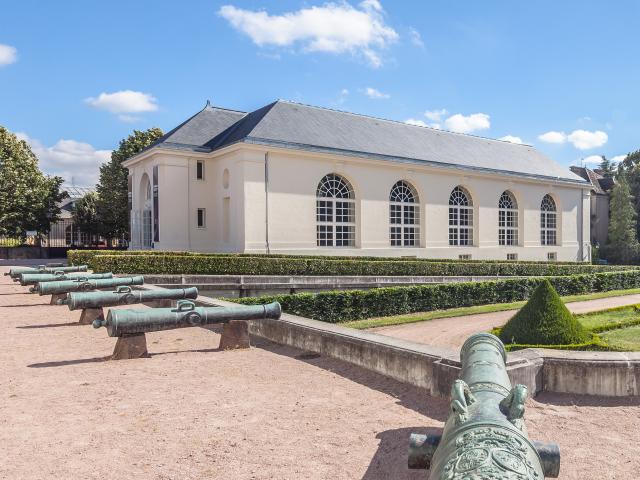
<point x="64" y="363"/>
<point x="568" y="399"/>
<point x="392" y="455"/>
<point x="50" y="325"/>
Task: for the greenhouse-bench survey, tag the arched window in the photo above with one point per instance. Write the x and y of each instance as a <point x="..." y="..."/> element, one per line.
<point x="335" y="212"/>
<point x="460" y="217"/>
<point x="404" y="215"/>
<point x="548" y="221"/>
<point x="507" y="219"/>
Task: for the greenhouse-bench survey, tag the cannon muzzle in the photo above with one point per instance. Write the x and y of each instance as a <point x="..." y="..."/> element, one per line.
<point x="124" y="295"/>
<point x="485" y="435"/>
<point x="84" y="285"/>
<point x="186" y="314"/>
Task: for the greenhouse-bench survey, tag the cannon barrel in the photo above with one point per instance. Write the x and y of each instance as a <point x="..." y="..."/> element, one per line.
<point x="14" y="273"/>
<point x="83" y="285"/>
<point x="124" y="295"/>
<point x="33" y="278"/>
<point x="484" y="435"/>
<point x="186" y="314"/>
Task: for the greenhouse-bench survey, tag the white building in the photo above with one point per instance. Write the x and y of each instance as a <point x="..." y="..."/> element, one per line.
<point x="292" y="178"/>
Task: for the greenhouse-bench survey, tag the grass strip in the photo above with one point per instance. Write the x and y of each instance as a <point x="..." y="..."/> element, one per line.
<point x="463" y="311"/>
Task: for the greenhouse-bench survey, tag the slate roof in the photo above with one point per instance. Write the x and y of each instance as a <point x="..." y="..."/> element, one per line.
<point x="599" y="182"/>
<point x="297" y="126"/>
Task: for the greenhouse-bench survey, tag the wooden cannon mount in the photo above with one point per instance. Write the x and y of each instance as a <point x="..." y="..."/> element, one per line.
<point x="130" y="326"/>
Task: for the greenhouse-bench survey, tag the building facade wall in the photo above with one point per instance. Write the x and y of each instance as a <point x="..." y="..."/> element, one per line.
<point x="245" y="215"/>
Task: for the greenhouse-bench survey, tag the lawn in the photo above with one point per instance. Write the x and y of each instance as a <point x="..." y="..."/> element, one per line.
<point x="623" y="338"/>
<point x="461" y="311"/>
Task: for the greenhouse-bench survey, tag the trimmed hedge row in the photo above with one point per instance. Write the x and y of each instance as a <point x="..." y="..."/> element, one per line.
<point x="82" y="257"/>
<point x="342" y="306"/>
<point x="244" y="265"/>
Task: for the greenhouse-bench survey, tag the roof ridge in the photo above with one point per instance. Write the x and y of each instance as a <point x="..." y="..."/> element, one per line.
<point x="400" y="122"/>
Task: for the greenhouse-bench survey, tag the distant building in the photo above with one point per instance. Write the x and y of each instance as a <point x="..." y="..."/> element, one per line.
<point x="298" y="179"/>
<point x="601" y="187"/>
<point x="64" y="233"/>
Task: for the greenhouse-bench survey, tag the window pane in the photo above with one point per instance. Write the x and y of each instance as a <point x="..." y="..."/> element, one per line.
<point x="324" y="211"/>
<point x="324" y="235"/>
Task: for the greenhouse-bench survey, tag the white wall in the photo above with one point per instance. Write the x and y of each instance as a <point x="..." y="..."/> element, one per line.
<point x="293" y="179"/>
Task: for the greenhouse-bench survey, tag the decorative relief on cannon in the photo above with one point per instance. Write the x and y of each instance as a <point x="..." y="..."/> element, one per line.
<point x="485" y="436"/>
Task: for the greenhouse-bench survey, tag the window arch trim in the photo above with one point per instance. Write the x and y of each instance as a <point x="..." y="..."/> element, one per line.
<point x="335" y="212"/>
<point x="404" y="215"/>
<point x="548" y="221"/>
<point x="460" y="217"/>
<point x="507" y="219"/>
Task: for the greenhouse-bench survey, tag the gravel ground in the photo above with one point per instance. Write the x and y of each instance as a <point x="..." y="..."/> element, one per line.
<point x="271" y="412"/>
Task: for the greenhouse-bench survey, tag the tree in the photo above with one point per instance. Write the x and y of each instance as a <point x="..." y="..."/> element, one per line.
<point x="608" y="168"/>
<point x="112" y="202"/>
<point x="622" y="246"/>
<point x="29" y="200"/>
<point x="629" y="170"/>
<point x="85" y="216"/>
<point x="544" y="320"/>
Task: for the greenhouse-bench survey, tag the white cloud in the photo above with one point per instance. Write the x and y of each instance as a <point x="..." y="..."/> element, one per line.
<point x="469" y="123"/>
<point x="8" y="55"/>
<point x="69" y="159"/>
<point x="333" y="28"/>
<point x="581" y="139"/>
<point x="585" y="140"/>
<point x="553" y="137"/>
<point x="618" y="158"/>
<point x="414" y="121"/>
<point x="373" y="93"/>
<point x="592" y="160"/>
<point x="124" y="102"/>
<point x="435" y="115"/>
<point x="416" y="38"/>
<point x="512" y="139"/>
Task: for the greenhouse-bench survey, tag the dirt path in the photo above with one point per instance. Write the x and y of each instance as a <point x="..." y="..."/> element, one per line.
<point x="270" y="412"/>
<point x="453" y="331"/>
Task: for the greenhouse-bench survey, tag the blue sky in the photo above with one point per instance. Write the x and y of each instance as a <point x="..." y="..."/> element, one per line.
<point x="77" y="76"/>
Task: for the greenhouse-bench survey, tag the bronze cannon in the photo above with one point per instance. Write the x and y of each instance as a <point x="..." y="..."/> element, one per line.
<point x="33" y="278"/>
<point x="485" y="436"/>
<point x="130" y="326"/>
<point x="59" y="290"/>
<point x="14" y="273"/>
<point x="92" y="303"/>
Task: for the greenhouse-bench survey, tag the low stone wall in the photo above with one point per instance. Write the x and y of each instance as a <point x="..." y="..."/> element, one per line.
<point x="252" y="285"/>
<point x="615" y="374"/>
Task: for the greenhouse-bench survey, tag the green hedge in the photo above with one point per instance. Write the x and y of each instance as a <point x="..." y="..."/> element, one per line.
<point x="82" y="257"/>
<point x="358" y="304"/>
<point x="247" y="265"/>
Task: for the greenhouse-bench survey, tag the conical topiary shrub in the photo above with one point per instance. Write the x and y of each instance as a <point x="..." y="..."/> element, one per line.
<point x="544" y="320"/>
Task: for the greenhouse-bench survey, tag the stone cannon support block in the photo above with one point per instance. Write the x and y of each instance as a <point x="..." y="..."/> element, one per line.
<point x="235" y="335"/>
<point x="90" y="314"/>
<point x="130" y="346"/>
<point x="57" y="296"/>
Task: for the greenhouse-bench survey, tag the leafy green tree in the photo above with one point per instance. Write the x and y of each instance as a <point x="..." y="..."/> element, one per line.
<point x="629" y="170"/>
<point x="28" y="198"/>
<point x="112" y="202"/>
<point x="607" y="167"/>
<point x="85" y="214"/>
<point x="622" y="246"/>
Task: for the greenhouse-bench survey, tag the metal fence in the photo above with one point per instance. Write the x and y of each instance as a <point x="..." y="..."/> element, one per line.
<point x="63" y="236"/>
